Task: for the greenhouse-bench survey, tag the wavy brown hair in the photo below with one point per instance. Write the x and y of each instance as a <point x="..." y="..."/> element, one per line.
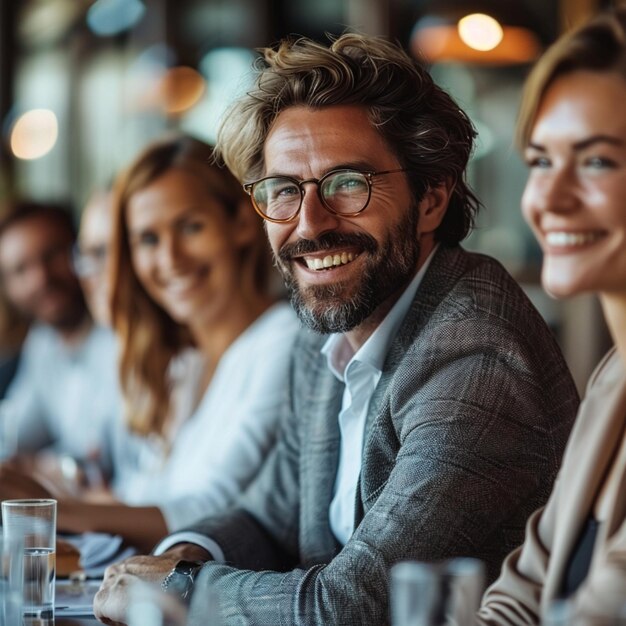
<point x="426" y="130"/>
<point x="599" y="45"/>
<point x="149" y="337"/>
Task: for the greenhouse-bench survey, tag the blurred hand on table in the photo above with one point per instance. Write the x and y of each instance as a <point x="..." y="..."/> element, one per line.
<point x="14" y="484"/>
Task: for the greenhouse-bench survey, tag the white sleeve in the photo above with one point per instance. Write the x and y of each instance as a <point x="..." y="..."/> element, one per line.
<point x="26" y="412"/>
<point x="207" y="543"/>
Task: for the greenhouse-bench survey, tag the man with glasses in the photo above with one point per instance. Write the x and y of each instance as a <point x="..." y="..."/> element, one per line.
<point x="91" y="253"/>
<point x="427" y="413"/>
<point x="64" y="393"/>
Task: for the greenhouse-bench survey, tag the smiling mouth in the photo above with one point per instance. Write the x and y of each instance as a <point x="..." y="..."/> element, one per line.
<point x="181" y="284"/>
<point x="329" y="261"/>
<point x="567" y="240"/>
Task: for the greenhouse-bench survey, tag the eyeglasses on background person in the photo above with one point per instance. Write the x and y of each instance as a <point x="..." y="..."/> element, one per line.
<point x="89" y="261"/>
<point x="344" y="192"/>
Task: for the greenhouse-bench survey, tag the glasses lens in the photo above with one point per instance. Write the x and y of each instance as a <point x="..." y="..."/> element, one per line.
<point x="278" y="198"/>
<point x="89" y="262"/>
<point x="346" y="191"/>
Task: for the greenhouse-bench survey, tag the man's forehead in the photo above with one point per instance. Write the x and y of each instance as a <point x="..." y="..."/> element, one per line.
<point x="321" y="138"/>
<point x="30" y="239"/>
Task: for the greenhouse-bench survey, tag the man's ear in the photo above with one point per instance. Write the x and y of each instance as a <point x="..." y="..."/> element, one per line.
<point x="433" y="206"/>
<point x="246" y="224"/>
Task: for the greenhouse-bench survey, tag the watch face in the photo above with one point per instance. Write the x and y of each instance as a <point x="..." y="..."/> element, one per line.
<point x="179" y="581"/>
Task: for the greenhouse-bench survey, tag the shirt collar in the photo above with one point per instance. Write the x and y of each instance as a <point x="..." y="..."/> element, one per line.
<point x="337" y="349"/>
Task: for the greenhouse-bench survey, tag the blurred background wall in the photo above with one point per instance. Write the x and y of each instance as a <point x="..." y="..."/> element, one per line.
<point x="85" y="84"/>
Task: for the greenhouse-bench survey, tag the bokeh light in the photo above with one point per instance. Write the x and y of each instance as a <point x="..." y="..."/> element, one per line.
<point x="480" y="31"/>
<point x="34" y="134"/>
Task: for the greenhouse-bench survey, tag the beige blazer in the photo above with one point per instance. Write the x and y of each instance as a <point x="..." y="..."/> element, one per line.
<point x="531" y="576"/>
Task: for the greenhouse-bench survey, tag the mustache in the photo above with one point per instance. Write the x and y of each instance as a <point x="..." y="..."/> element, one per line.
<point x="325" y="242"/>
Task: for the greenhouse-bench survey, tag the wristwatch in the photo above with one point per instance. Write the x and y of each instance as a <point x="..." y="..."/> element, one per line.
<point x="179" y="582"/>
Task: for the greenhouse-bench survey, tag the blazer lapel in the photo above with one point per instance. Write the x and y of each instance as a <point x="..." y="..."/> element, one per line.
<point x="445" y="269"/>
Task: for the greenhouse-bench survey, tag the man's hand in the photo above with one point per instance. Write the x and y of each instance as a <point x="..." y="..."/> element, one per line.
<point x="113" y="598"/>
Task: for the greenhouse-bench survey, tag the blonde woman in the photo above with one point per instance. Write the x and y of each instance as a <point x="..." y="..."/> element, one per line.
<point x="573" y="133"/>
<point x="204" y="346"/>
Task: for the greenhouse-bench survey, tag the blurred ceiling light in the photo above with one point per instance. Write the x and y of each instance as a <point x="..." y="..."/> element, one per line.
<point x="480" y="31"/>
<point x="34" y="134"/>
<point x="43" y="22"/>
<point x="111" y="17"/>
<point x="474" y="38"/>
<point x="180" y="88"/>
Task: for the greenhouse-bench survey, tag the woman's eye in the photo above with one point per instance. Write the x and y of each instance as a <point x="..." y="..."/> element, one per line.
<point x="538" y="162"/>
<point x="191" y="228"/>
<point x="147" y="239"/>
<point x="597" y="162"/>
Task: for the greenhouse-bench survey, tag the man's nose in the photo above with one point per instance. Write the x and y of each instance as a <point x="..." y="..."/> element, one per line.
<point x="314" y="219"/>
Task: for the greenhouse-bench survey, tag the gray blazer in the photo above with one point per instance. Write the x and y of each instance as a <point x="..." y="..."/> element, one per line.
<point x="463" y="439"/>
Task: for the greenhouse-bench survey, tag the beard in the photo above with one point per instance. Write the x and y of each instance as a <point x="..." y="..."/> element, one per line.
<point x="340" y="307"/>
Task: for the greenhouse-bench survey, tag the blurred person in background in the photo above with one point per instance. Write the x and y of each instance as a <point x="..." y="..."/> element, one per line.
<point x="13" y="328"/>
<point x="572" y="130"/>
<point x="205" y="347"/>
<point x="92" y="253"/>
<point x="61" y="397"/>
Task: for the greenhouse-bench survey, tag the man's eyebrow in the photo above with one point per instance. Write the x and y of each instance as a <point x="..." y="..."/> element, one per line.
<point x="583" y="144"/>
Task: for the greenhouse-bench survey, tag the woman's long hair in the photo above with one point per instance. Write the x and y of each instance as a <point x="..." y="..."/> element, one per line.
<point x="149" y="338"/>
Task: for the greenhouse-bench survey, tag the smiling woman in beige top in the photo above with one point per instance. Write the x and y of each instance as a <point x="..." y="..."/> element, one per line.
<point x="572" y="130"/>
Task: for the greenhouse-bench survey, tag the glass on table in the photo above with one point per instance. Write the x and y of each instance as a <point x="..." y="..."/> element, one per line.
<point x="11" y="578"/>
<point x="32" y="522"/>
<point x="149" y="605"/>
<point x="436" y="594"/>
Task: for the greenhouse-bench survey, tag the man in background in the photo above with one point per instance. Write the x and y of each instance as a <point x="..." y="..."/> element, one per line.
<point x="62" y="397"/>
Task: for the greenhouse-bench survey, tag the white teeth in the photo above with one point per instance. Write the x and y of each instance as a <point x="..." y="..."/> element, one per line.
<point x="330" y="260"/>
<point x="561" y="239"/>
<point x="181" y="284"/>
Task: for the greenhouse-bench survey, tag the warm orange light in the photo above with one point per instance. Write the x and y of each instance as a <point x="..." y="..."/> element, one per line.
<point x="181" y="88"/>
<point x="443" y="43"/>
<point x="480" y="31"/>
<point x="34" y="134"/>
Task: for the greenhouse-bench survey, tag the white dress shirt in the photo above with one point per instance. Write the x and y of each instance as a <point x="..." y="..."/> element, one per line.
<point x="65" y="396"/>
<point x="360" y="372"/>
<point x="218" y="444"/>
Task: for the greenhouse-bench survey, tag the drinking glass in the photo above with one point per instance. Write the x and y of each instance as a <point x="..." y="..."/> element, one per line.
<point x="436" y="594"/>
<point x="11" y="576"/>
<point x="149" y="605"/>
<point x="33" y="522"/>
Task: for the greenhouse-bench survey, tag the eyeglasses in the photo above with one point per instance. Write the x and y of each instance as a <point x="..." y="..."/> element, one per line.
<point x="90" y="261"/>
<point x="342" y="192"/>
